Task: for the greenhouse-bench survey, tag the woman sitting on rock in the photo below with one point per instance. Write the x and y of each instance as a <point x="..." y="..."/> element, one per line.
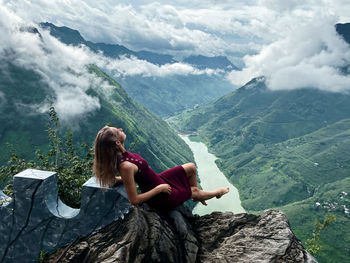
<point x="165" y="190"/>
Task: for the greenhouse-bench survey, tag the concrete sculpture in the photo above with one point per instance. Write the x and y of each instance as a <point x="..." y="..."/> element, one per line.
<point x="36" y="220"/>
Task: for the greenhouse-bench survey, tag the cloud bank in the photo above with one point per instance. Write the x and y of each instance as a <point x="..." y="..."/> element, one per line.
<point x="311" y="55"/>
<point x="199" y="27"/>
<point x="64" y="68"/>
<point x="131" y="66"/>
<point x="292" y="43"/>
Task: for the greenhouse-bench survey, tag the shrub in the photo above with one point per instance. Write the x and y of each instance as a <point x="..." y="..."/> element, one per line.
<point x="72" y="169"/>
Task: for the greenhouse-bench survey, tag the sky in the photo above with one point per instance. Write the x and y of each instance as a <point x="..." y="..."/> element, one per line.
<point x="184" y="27"/>
<point x="292" y="43"/>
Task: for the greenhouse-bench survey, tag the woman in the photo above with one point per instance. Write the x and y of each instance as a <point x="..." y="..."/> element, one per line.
<point x="165" y="190"/>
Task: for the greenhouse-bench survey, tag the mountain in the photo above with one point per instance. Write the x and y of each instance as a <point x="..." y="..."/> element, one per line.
<point x="168" y="95"/>
<point x="163" y="95"/>
<point x="202" y="62"/>
<point x="73" y="37"/>
<point x="344" y="31"/>
<point x="282" y="149"/>
<point x="22" y="90"/>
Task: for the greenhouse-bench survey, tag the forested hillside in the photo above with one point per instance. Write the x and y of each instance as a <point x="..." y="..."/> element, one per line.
<point x="164" y="94"/>
<point x="286" y="149"/>
<point x="24" y="126"/>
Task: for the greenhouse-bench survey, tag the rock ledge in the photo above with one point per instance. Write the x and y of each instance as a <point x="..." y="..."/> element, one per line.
<point x="147" y="235"/>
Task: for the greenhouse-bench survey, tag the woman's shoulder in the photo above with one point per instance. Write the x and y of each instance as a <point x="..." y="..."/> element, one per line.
<point x="127" y="166"/>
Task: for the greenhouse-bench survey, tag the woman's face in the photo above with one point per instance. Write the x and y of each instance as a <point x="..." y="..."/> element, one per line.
<point x="119" y="133"/>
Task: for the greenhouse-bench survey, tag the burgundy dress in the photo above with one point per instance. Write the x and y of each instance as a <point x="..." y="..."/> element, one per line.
<point x="147" y="179"/>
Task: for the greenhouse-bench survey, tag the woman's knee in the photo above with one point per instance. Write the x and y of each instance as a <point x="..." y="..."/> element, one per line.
<point x="190" y="168"/>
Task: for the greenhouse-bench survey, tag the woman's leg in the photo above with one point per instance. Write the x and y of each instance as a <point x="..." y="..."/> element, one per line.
<point x="202" y="195"/>
<point x="197" y="194"/>
<point x="191" y="172"/>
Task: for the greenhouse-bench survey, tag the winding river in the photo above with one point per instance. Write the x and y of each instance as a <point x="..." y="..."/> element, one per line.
<point x="211" y="177"/>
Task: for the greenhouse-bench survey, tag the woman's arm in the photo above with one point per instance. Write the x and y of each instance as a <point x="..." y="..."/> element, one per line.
<point x="127" y="171"/>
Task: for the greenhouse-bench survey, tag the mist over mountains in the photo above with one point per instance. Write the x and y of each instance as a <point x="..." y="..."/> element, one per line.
<point x="73" y="37"/>
<point x="84" y="96"/>
<point x="158" y="81"/>
<point x="282" y="139"/>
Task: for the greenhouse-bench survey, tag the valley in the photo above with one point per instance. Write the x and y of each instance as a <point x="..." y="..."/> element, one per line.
<point x="194" y="80"/>
<point x="282" y="149"/>
<point x="285" y="150"/>
<point x="25" y="128"/>
<point x="211" y="178"/>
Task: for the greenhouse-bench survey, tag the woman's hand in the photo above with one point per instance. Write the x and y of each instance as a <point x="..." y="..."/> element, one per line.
<point x="164" y="188"/>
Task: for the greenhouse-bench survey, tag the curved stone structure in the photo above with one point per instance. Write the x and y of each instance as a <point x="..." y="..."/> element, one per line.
<point x="36" y="220"/>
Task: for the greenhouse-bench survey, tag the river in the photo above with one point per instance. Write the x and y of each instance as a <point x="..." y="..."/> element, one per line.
<point x="211" y="177"/>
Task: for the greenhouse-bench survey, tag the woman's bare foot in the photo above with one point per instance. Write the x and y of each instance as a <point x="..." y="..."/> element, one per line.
<point x="201" y="196"/>
<point x="222" y="191"/>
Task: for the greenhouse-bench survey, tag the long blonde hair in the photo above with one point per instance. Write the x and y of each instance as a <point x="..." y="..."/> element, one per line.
<point x="107" y="156"/>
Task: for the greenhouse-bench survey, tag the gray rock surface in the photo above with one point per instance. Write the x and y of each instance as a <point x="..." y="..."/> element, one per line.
<point x="36" y="220"/>
<point x="146" y="235"/>
<point x="227" y="237"/>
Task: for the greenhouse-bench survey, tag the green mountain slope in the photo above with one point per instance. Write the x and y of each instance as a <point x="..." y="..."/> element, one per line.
<point x="72" y="37"/>
<point x="163" y="95"/>
<point x="292" y="170"/>
<point x="166" y="96"/>
<point x="280" y="148"/>
<point x="210" y="62"/>
<point x="344" y="31"/>
<point x="331" y="198"/>
<point x="254" y="114"/>
<point x="21" y="90"/>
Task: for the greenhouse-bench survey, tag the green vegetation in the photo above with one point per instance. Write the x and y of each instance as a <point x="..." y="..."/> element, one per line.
<point x="42" y="256"/>
<point x="283" y="149"/>
<point x="73" y="170"/>
<point x="21" y="91"/>
<point x="23" y="127"/>
<point x="334" y="241"/>
<point x="157" y="142"/>
<point x="313" y="244"/>
<point x="163" y="95"/>
<point x="170" y="95"/>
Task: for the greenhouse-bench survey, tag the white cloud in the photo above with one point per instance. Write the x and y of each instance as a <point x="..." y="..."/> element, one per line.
<point x="282" y="38"/>
<point x="310" y="55"/>
<point x="62" y="67"/>
<point x="168" y="27"/>
<point x="131" y="66"/>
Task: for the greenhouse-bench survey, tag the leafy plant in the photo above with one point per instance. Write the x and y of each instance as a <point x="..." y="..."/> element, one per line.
<point x="61" y="157"/>
<point x="313" y="245"/>
<point x="41" y="257"/>
<point x="14" y="166"/>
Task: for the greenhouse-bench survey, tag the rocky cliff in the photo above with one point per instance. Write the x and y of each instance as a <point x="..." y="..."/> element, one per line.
<point x="146" y="235"/>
